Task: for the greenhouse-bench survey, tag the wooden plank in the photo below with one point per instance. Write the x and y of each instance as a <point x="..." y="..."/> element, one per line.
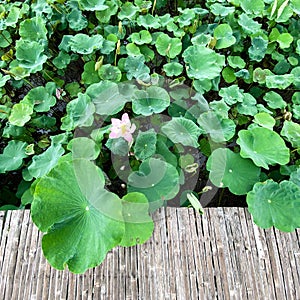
<point x="221" y="255"/>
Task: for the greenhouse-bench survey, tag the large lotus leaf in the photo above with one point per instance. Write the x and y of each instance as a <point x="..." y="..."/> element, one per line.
<point x="291" y="131"/>
<point x="258" y="48"/>
<point x="84" y="44"/>
<point x="21" y="113"/>
<point x="30" y="55"/>
<point x="41" y="98"/>
<point x="157" y="180"/>
<point x="229" y="169"/>
<point x="255" y="7"/>
<point x="12" y="156"/>
<point x="273" y="204"/>
<point x="248" y="24"/>
<point x="89" y="220"/>
<point x="83" y="147"/>
<point x="231" y="94"/>
<point x="106" y="97"/>
<point x="80" y="113"/>
<point x="167" y="46"/>
<point x="224" y="36"/>
<point x="182" y="131"/>
<point x="76" y="20"/>
<point x="92" y="5"/>
<point x="274" y="100"/>
<point x="152" y="100"/>
<point x="136" y="68"/>
<point x="138" y="224"/>
<point x="142" y="37"/>
<point x="279" y="81"/>
<point x="109" y="72"/>
<point x="219" y="129"/>
<point x="43" y="163"/>
<point x="203" y="63"/>
<point x="264" y="146"/>
<point x="145" y="144"/>
<point x="33" y="29"/>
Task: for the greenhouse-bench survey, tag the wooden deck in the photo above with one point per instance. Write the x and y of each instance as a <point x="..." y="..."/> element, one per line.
<point x="221" y="255"/>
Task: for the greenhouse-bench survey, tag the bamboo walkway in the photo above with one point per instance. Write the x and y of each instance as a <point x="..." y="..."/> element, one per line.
<point x="220" y="255"/>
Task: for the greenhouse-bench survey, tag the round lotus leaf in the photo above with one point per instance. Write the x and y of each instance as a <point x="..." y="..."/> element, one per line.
<point x="182" y="131"/>
<point x="203" y="63"/>
<point x="264" y="146"/>
<point x="265" y="120"/>
<point x="152" y="100"/>
<point x="89" y="221"/>
<point x="279" y="81"/>
<point x="167" y="46"/>
<point x="229" y="169"/>
<point x="173" y="69"/>
<point x="157" y="180"/>
<point x="83" y="147"/>
<point x="274" y="100"/>
<point x="109" y="72"/>
<point x="273" y="204"/>
<point x="145" y="144"/>
<point x="142" y="37"/>
<point x="93" y="5"/>
<point x="291" y="131"/>
<point x="85" y="44"/>
<point x="224" y="35"/>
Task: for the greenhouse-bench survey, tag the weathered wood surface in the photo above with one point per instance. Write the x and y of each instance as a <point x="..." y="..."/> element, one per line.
<point x="221" y="255"/>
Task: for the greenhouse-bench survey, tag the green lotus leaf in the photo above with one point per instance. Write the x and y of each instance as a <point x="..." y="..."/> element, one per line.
<point x="228" y="75"/>
<point x="220" y="10"/>
<point x="229" y="169"/>
<point x="217" y="128"/>
<point x="80" y="113"/>
<point x="62" y="60"/>
<point x="255" y="7"/>
<point x="231" y="94"/>
<point x="273" y="204"/>
<point x="248" y="106"/>
<point x="41" y="98"/>
<point x="138" y="224"/>
<point x="43" y="121"/>
<point x="43" y="163"/>
<point x="106" y="97"/>
<point x="296" y="73"/>
<point x="224" y="36"/>
<point x="92" y="5"/>
<point x="128" y="11"/>
<point x="285" y="40"/>
<point x="279" y="81"/>
<point x="148" y="21"/>
<point x="173" y="69"/>
<point x="236" y="62"/>
<point x="295" y="5"/>
<point x="291" y="131"/>
<point x="186" y="17"/>
<point x="255" y="144"/>
<point x="167" y="46"/>
<point x="296" y="112"/>
<point x="3" y="79"/>
<point x="84" y="44"/>
<point x="90" y="75"/>
<point x="265" y="120"/>
<point x="296" y="98"/>
<point x="32" y="60"/>
<point x="89" y="220"/>
<point x="259" y="75"/>
<point x="12" y="156"/>
<point x="109" y="72"/>
<point x="76" y="20"/>
<point x="182" y="131"/>
<point x="5" y="39"/>
<point x="136" y="68"/>
<point x="142" y="37"/>
<point x="118" y="146"/>
<point x="132" y="49"/>
<point x="33" y="29"/>
<point x="244" y="73"/>
<point x="157" y="180"/>
<point x="145" y="144"/>
<point x="151" y="100"/>
<point x="21" y="113"/>
<point x="295" y="177"/>
<point x="274" y="100"/>
<point x="4" y="111"/>
<point x="104" y="16"/>
<point x="258" y="48"/>
<point x="201" y="39"/>
<point x="83" y="147"/>
<point x="208" y="67"/>
<point x="248" y="24"/>
<point x="220" y="108"/>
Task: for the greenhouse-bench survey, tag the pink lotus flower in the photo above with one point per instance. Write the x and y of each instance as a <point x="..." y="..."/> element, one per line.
<point x="122" y="128"/>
